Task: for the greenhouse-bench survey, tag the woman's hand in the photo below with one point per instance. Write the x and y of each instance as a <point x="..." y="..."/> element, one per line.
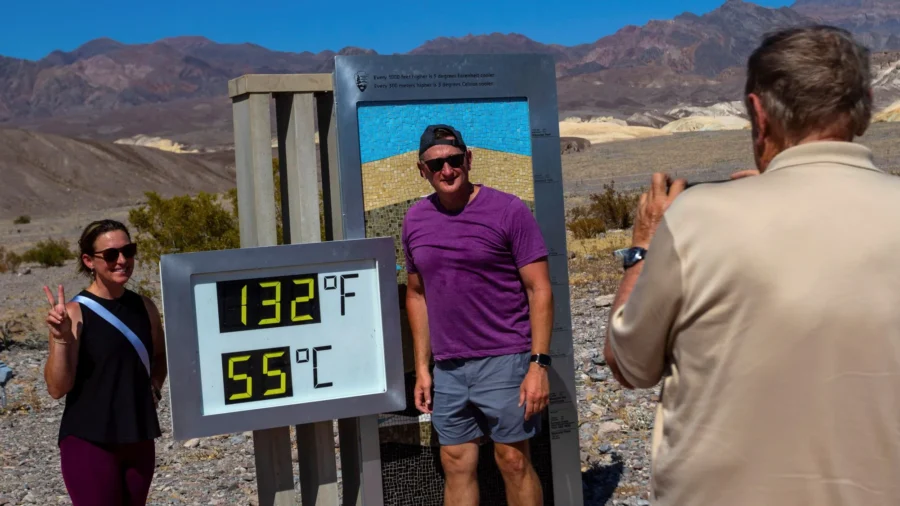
<point x="58" y="318"/>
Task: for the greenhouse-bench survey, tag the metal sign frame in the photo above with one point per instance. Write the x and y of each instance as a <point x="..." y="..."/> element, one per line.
<point x="528" y="76"/>
<point x="176" y="272"/>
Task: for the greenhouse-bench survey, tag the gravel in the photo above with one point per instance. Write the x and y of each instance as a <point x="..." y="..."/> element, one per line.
<point x="614" y="423"/>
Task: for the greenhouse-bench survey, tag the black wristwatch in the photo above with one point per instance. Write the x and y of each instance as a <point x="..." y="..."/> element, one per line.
<point x="630" y="256"/>
<point x="541" y="359"/>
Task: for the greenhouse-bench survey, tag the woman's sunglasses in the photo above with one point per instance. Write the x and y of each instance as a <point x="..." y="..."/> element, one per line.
<point x="437" y="164"/>
<point x="112" y="254"/>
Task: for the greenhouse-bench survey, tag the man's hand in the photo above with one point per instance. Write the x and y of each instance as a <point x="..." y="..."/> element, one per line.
<point x="535" y="390"/>
<point x="422" y="394"/>
<point x="652" y="206"/>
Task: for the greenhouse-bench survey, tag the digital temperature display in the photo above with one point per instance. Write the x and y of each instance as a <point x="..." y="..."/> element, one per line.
<point x="248" y="304"/>
<point x="281" y="335"/>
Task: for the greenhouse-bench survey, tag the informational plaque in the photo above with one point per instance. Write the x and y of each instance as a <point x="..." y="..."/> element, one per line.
<point x="282" y="335"/>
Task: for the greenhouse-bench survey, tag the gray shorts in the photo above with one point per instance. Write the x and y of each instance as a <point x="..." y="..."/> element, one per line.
<point x="480" y="396"/>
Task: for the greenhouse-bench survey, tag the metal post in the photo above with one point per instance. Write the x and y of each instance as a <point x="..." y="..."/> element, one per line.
<point x="256" y="187"/>
<point x="361" y="461"/>
<point x="360" y="451"/>
<point x="331" y="176"/>
<point x="359" y="437"/>
<point x="297" y="164"/>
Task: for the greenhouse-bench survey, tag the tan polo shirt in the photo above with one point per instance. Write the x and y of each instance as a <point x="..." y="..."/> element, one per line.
<point x="770" y="308"/>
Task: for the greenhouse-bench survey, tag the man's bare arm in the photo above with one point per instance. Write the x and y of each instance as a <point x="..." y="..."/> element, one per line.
<point x="651" y="209"/>
<point x="625" y="288"/>
<point x="418" y="321"/>
<point x="535" y="389"/>
<point x="536" y="278"/>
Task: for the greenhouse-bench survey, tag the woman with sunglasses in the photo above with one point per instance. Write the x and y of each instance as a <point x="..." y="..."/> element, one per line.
<point x="106" y="436"/>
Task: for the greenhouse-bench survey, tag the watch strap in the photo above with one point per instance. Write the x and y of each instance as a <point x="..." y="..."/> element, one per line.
<point x="541" y="359"/>
<point x="631" y="256"/>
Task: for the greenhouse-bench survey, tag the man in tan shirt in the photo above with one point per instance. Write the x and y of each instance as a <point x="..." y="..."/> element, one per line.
<point x="769" y="306"/>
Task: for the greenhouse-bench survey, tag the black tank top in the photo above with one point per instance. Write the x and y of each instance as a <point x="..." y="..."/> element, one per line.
<point x="111" y="401"/>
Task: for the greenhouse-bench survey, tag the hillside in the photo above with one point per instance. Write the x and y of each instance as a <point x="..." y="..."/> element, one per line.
<point x="175" y="88"/>
<point x="49" y="175"/>
<point x="876" y="21"/>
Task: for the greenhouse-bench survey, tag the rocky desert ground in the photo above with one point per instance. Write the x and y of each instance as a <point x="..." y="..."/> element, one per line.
<point x="614" y="424"/>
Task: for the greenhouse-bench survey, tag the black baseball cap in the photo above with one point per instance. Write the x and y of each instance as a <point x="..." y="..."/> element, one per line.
<point x="429" y="139"/>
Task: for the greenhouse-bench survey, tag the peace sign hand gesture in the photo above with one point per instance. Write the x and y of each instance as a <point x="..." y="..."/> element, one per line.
<point x="58" y="318"/>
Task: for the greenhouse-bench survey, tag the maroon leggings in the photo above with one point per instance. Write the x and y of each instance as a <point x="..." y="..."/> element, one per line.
<point x="107" y="475"/>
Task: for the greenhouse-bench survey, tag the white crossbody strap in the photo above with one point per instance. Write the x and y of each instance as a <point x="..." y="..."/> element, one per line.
<point x="117" y="323"/>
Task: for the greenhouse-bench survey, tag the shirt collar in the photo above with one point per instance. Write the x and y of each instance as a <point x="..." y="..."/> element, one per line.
<point x="825" y="152"/>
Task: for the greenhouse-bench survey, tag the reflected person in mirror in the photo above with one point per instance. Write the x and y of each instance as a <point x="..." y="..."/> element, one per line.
<point x="768" y="305"/>
<point x="479" y="302"/>
<point x="106" y="436"/>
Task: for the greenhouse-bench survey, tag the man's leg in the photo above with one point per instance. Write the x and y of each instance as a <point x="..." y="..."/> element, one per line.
<point x="495" y="392"/>
<point x="460" y="463"/>
<point x="523" y="488"/>
<point x="458" y="427"/>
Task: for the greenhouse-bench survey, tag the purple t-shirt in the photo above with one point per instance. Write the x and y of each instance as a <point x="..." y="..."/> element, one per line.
<point x="469" y="261"/>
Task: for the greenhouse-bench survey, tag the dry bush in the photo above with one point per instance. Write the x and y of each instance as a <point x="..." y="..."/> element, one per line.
<point x="616" y="209"/>
<point x="583" y="225"/>
<point x="9" y="260"/>
<point x="50" y="253"/>
<point x="187" y="223"/>
<point x="608" y="210"/>
<point x="182" y="224"/>
<point x="594" y="262"/>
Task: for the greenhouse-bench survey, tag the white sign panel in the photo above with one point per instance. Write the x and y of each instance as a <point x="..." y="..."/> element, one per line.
<point x="299" y="340"/>
<point x="276" y="337"/>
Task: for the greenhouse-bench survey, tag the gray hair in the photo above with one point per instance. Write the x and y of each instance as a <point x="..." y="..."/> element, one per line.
<point x="811" y="79"/>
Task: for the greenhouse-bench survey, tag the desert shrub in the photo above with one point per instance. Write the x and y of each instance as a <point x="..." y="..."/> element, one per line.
<point x="22" y="220"/>
<point x="593" y="262"/>
<point x="583" y="224"/>
<point x="9" y="260"/>
<point x="585" y="228"/>
<point x="608" y="210"/>
<point x="49" y="253"/>
<point x="182" y="224"/>
<point x="616" y="209"/>
<point x="197" y="223"/>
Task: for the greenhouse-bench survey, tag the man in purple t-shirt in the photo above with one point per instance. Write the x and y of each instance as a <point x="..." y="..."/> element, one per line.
<point x="479" y="301"/>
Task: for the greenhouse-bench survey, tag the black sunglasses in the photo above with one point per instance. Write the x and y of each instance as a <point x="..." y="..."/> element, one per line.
<point x="437" y="164"/>
<point x="112" y="254"/>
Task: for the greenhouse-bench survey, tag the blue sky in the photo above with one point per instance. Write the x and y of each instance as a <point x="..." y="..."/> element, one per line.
<point x="32" y="29"/>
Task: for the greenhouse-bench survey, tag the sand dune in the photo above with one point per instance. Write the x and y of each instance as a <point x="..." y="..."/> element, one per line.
<point x="157" y="143"/>
<point x="606" y="132"/>
<point x="706" y="124"/>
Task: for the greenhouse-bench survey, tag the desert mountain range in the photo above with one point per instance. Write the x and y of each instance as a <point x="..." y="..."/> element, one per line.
<point x="175" y="88"/>
<point x="71" y="116"/>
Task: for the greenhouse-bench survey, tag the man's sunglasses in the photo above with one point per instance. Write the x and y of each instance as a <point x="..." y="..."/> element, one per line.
<point x="437" y="164"/>
<point x="112" y="254"/>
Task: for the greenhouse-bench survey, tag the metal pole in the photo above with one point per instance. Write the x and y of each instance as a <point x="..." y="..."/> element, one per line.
<point x="256" y="189"/>
<point x="360" y="445"/>
<point x="297" y="164"/>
